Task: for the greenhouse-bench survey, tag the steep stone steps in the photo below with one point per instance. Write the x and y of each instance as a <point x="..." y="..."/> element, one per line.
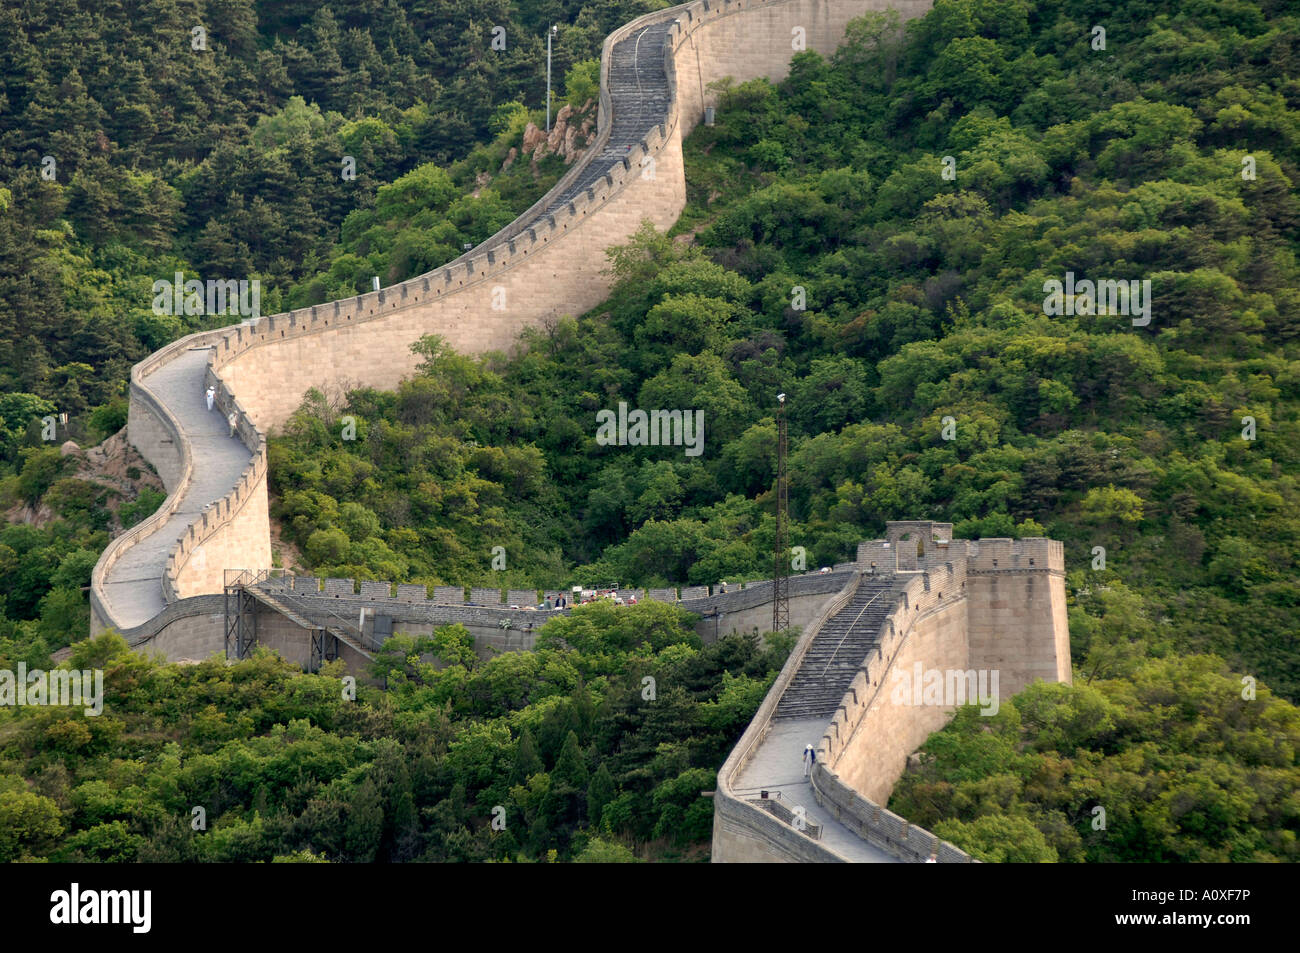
<point x="638" y="90"/>
<point x="299" y="613"/>
<point x="838" y="651"/>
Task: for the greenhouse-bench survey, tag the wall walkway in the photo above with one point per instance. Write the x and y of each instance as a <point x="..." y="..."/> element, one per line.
<point x="655" y="73"/>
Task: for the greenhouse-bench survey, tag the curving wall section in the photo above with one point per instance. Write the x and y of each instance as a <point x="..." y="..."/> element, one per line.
<point x="655" y="73"/>
<point x="959" y="606"/>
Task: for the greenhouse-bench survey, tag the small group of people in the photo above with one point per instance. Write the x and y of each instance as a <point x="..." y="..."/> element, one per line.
<point x="583" y="597"/>
<point x="610" y="594"/>
<point x="586" y="597"/>
<point x="210" y="395"/>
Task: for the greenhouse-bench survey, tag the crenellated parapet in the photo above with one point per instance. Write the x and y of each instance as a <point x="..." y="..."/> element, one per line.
<point x="967" y="621"/>
<point x="958" y="601"/>
<point x="550" y="261"/>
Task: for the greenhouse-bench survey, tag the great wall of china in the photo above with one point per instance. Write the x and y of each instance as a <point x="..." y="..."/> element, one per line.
<point x="947" y="604"/>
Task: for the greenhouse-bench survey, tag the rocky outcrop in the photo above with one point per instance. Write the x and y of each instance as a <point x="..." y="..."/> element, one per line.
<point x="571" y="133"/>
<point x="533" y="137"/>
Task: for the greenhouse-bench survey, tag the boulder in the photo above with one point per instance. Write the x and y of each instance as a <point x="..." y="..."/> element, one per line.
<point x="532" y="137"/>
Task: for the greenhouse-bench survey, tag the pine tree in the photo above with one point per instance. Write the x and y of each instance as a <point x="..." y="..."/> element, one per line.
<point x="570" y="767"/>
<point x="526" y="762"/>
<point x="600" y="792"/>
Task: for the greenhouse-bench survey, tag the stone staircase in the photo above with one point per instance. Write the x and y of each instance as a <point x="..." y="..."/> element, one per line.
<point x="638" y="89"/>
<point x="282" y="601"/>
<point x="838" y="651"/>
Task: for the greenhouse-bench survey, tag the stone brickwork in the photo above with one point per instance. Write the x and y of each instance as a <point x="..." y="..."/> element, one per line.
<point x="155" y="438"/>
<point x="412" y="612"/>
<point x="547" y="263"/>
<point x="450" y="595"/>
<point x="1018" y="621"/>
<point x="963" y="606"/>
<point x="880" y="826"/>
<point x="376" y="590"/>
<point x="407" y="593"/>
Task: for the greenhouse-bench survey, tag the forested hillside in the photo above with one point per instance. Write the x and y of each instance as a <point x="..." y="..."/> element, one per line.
<point x="227" y="163"/>
<point x="1171" y="445"/>
<point x="562" y="748"/>
<point x="873" y="237"/>
<point x="924" y="301"/>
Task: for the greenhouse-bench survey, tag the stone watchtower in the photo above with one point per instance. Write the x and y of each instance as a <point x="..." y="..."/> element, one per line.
<point x="1014" y="590"/>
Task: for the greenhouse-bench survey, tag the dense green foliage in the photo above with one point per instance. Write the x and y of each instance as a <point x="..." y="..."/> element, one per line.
<point x="564" y="744"/>
<point x="226" y="162"/>
<point x="45" y="567"/>
<point x="1175" y="763"/>
<point x="823" y="254"/>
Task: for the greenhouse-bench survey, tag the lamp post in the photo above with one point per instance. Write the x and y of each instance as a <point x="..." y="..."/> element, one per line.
<point x="780" y="571"/>
<point x="554" y="30"/>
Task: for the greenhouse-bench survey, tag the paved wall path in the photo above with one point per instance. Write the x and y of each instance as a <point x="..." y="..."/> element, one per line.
<point x="638" y="89"/>
<point x="777" y="766"/>
<point x="133" y="585"/>
<point x="655" y="73"/>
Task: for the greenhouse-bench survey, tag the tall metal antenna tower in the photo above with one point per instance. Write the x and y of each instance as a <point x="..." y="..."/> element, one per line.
<point x="780" y="549"/>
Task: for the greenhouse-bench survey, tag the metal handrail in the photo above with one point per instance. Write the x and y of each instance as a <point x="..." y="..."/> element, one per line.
<point x="347" y="625"/>
<point x="850" y="629"/>
<point x="258" y="577"/>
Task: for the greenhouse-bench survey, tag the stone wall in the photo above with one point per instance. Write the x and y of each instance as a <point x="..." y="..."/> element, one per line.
<point x="870" y="736"/>
<point x="191" y="628"/>
<point x="163" y="443"/>
<point x="880" y="826"/>
<point x="1018" y="621"/>
<point x="538" y="269"/>
<point x="152" y="432"/>
<point x="742" y="833"/>
<point x="494" y="629"/>
<point x="231" y="532"/>
<point x="749" y="610"/>
<point x="963" y="606"/>
<point x="993" y="605"/>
